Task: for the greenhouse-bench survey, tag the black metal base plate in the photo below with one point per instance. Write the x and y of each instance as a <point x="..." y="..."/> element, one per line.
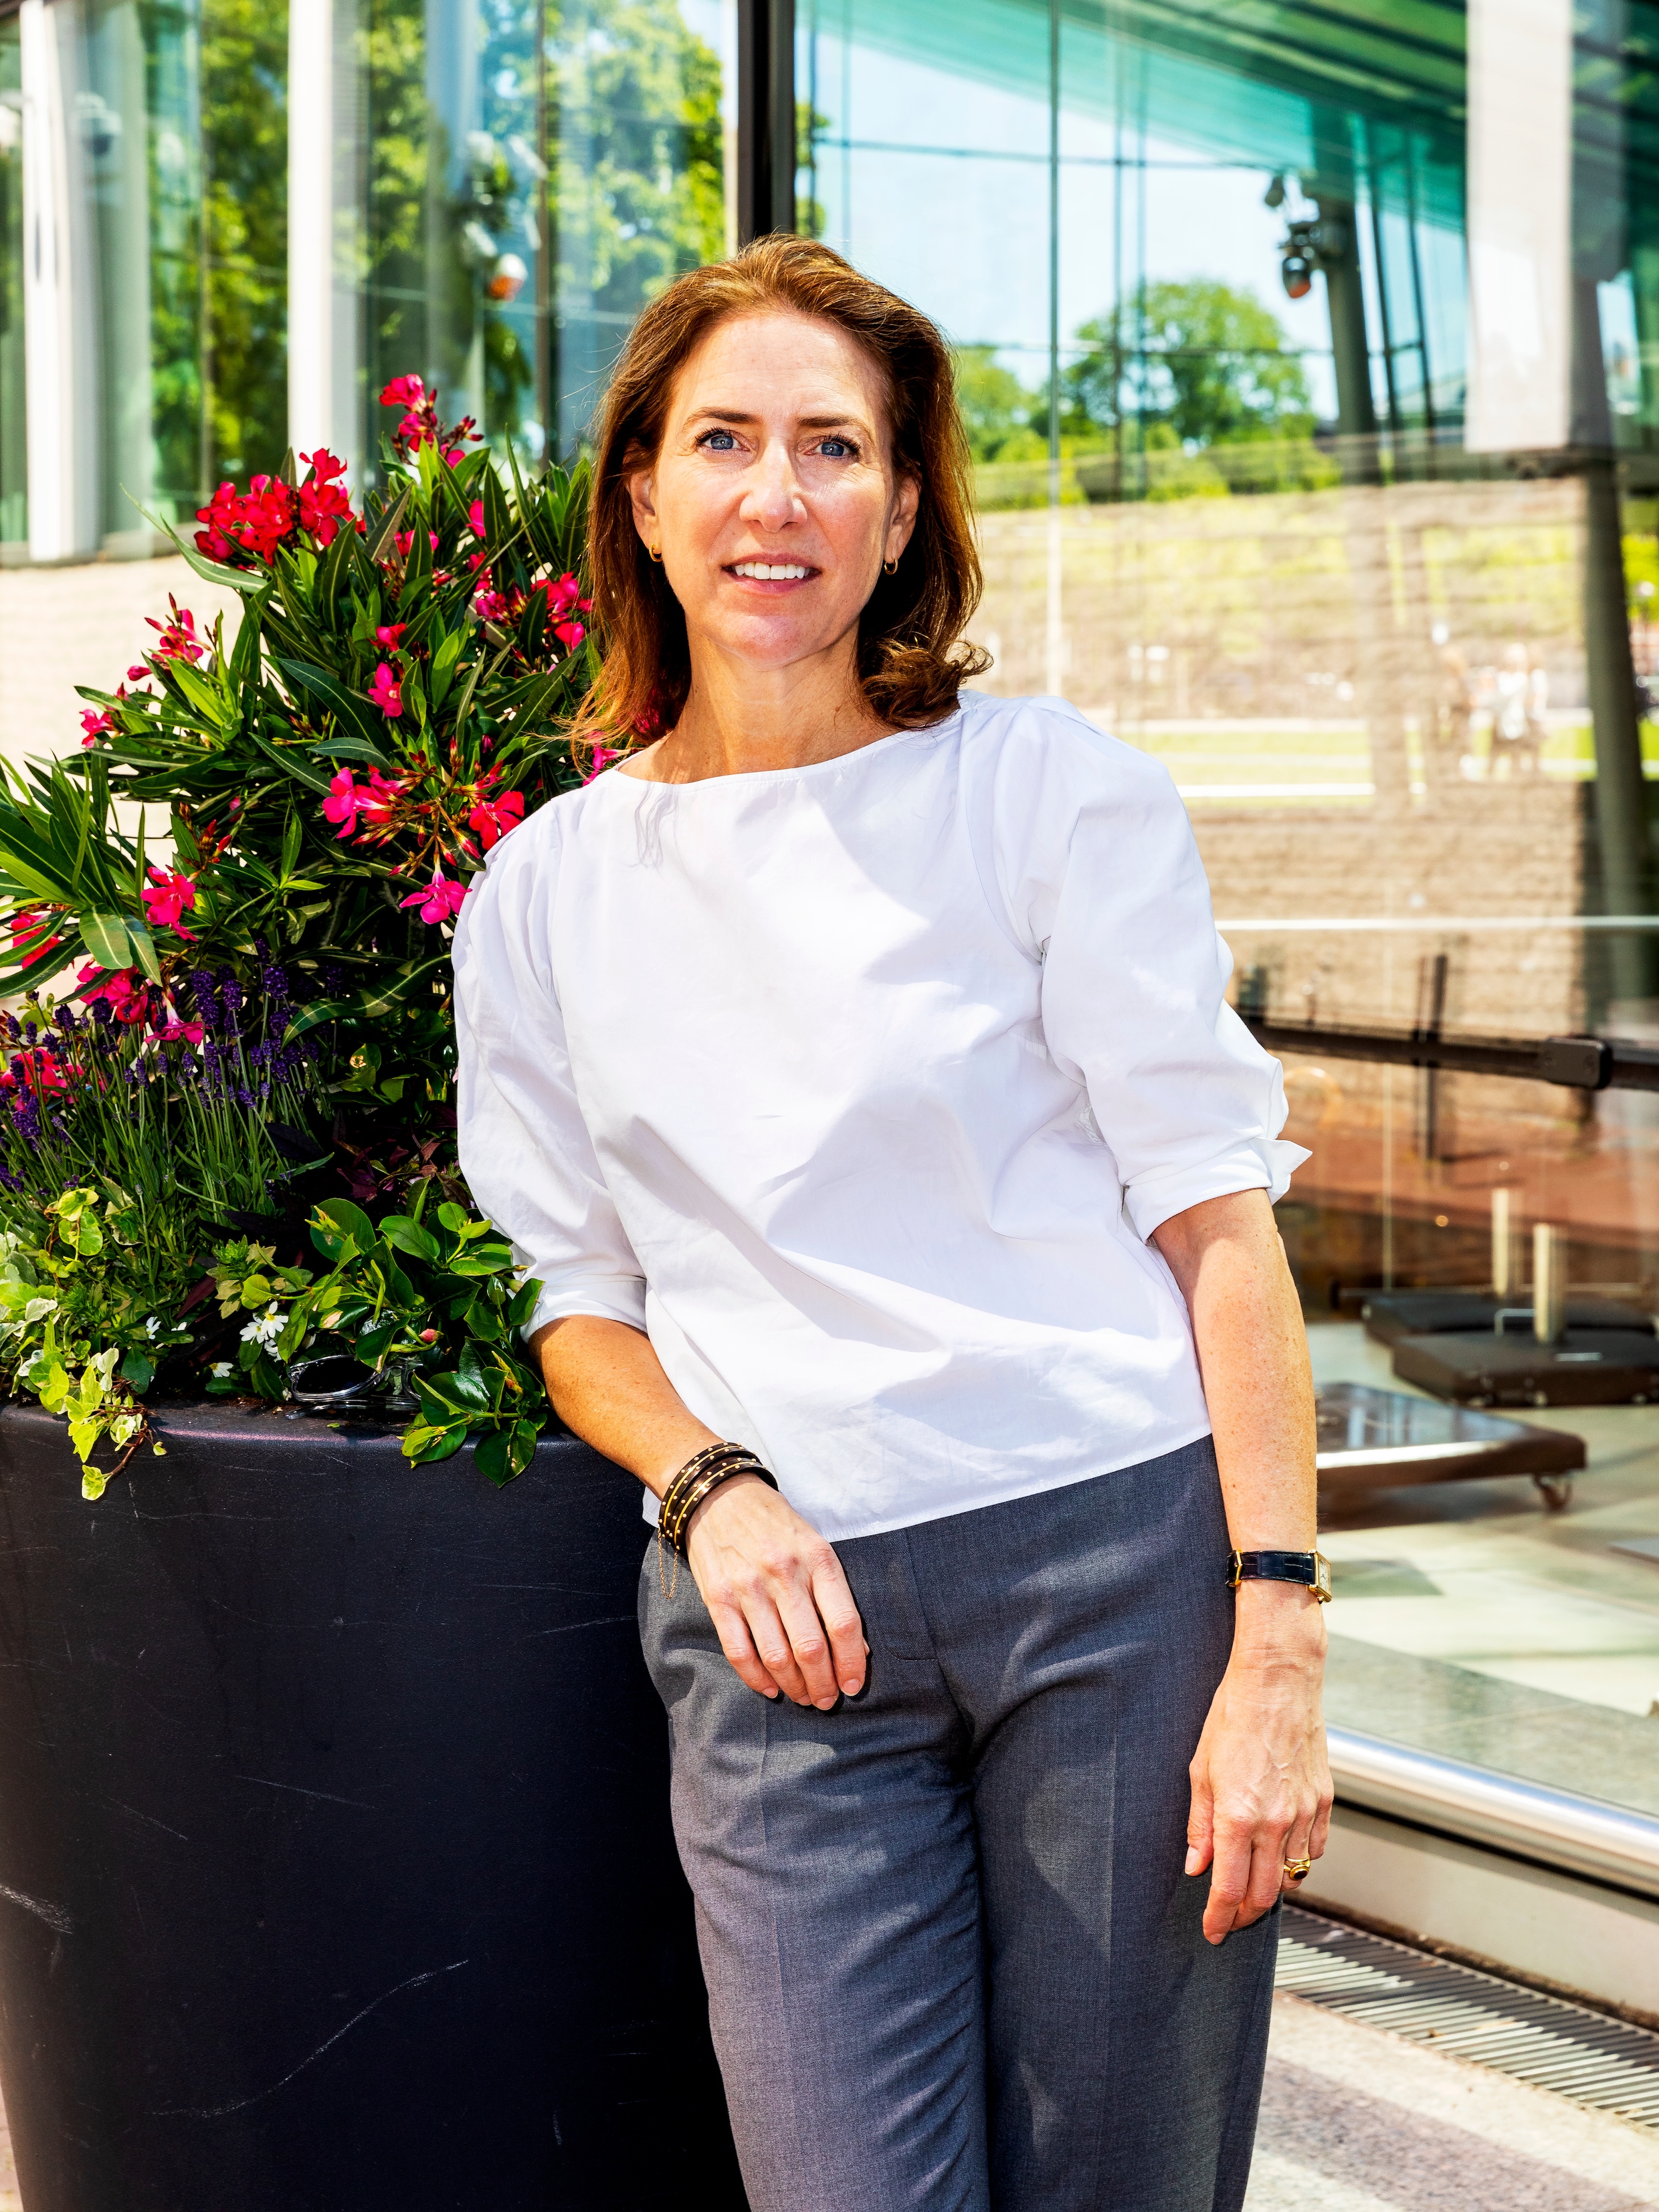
<point x="1371" y="1439"/>
<point x="1390" y="1314"/>
<point x="1588" y="1367"/>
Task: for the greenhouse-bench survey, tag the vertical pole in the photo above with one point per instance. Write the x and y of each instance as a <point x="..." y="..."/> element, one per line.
<point x="310" y="222"/>
<point x="1054" y="656"/>
<point x="1622" y="803"/>
<point x="766" y="118"/>
<point x="1549" y="1283"/>
<point x="1505" y="1255"/>
<point x="60" y="347"/>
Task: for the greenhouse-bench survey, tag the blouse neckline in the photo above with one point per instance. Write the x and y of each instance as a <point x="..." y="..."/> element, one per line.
<point x="760" y="776"/>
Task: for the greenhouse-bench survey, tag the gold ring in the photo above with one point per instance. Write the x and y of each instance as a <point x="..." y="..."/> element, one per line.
<point x="1297" y="1870"/>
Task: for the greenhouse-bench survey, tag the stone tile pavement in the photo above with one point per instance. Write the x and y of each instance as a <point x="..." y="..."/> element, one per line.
<point x="1355" y="2120"/>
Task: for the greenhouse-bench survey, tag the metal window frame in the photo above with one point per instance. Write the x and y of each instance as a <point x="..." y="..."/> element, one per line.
<point x="766" y="119"/>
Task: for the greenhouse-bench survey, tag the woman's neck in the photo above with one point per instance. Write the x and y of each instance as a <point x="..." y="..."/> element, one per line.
<point x="738" y="719"/>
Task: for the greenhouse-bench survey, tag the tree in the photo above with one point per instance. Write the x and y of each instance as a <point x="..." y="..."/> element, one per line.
<point x="999" y="415"/>
<point x="1208" y="361"/>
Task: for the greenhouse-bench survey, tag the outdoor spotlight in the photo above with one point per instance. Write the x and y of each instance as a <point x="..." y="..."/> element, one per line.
<point x="1274" y="195"/>
<point x="507" y="280"/>
<point x="1297" y="269"/>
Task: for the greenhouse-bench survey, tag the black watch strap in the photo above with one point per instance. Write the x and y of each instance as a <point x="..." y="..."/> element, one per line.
<point x="1311" y="1569"/>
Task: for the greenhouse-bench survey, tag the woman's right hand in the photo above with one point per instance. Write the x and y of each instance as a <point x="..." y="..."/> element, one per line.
<point x="776" y="1594"/>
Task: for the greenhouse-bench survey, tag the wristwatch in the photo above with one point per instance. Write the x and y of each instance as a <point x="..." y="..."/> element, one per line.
<point x="1311" y="1569"/>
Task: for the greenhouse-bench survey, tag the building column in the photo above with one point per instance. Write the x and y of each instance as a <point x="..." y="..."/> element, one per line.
<point x="1519" y="172"/>
<point x="60" y="344"/>
<point x="325" y="307"/>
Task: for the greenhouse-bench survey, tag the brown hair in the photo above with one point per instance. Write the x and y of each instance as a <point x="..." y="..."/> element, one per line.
<point x="911" y="659"/>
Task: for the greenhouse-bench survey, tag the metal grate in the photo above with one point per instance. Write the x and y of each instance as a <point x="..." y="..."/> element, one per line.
<point x="1602" y="2062"/>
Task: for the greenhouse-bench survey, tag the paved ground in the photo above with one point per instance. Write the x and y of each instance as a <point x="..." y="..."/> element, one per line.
<point x="1355" y="2120"/>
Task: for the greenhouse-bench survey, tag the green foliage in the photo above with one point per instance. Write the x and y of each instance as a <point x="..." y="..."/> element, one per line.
<point x="1205" y="359"/>
<point x="245" y="219"/>
<point x="265" y="1015"/>
<point x="1003" y="420"/>
<point x="437" y="1300"/>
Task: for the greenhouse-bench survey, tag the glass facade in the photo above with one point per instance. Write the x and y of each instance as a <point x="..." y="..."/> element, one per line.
<point x="533" y="173"/>
<point x="1309" y="355"/>
<point x="1310" y="351"/>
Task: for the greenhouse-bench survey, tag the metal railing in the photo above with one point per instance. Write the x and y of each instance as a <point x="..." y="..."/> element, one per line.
<point x="1553" y="1827"/>
<point x="1580" y="1063"/>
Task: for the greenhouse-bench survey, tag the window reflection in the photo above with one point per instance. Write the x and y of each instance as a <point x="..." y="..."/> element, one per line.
<point x="535" y="174"/>
<point x="1257" y="496"/>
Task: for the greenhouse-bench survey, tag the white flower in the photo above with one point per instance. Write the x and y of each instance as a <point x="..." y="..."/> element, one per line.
<point x="264" y="1328"/>
<point x="152" y="1327"/>
<point x="220" y="1368"/>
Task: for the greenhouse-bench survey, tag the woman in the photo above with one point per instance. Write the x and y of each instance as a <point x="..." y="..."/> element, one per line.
<point x="850" y="1064"/>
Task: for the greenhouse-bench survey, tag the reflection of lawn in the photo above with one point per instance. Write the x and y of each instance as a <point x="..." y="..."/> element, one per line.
<point x="1271" y="753"/>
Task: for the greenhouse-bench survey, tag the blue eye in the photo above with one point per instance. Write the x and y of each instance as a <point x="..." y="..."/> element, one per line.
<point x="835" y="448"/>
<point x="708" y="437"/>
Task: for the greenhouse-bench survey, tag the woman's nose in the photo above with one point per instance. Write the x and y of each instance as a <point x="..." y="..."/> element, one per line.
<point x="772" y="497"/>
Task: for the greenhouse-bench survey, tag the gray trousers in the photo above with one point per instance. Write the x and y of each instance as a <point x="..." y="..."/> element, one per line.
<point x="953" y="1960"/>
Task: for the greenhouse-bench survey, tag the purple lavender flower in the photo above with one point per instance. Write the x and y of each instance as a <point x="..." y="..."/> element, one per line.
<point x="207" y="1005"/>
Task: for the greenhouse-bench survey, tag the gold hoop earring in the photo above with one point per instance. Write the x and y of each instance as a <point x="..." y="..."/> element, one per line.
<point x="890" y="567"/>
<point x="655" y="551"/>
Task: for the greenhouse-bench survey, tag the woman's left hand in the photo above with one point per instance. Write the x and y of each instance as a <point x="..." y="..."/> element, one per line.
<point x="1261" y="1779"/>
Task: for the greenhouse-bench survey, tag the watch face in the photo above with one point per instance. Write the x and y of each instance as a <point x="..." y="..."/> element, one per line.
<point x="1321" y="1576"/>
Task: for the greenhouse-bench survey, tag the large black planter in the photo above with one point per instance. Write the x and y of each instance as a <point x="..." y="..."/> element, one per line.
<point x="335" y="1867"/>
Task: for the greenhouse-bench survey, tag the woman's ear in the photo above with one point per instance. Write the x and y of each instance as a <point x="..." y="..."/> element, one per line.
<point x="642" y="494"/>
<point x="907" y="499"/>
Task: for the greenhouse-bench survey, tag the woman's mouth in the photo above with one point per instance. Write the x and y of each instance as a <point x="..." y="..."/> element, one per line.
<point x="772" y="572"/>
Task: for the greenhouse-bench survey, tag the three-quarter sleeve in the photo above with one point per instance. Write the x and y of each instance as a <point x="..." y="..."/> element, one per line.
<point x="524" y="1149"/>
<point x="1096" y="862"/>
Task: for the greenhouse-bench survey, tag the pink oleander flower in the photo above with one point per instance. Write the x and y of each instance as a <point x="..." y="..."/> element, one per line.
<point x="377" y="799"/>
<point x="564" y="599"/>
<point x="167" y="897"/>
<point x="94" y="725"/>
<point x="442" y="900"/>
<point x="491" y="818"/>
<point x="390" y="634"/>
<point x="178" y="638"/>
<point x="39" y="1063"/>
<point x="386" y="692"/>
<point x="26" y="928"/>
<point x="475" y="518"/>
<point x="403" y="391"/>
<point x="218" y="540"/>
<point x="126" y="990"/>
<point x="176" y="1032"/>
<point x="600" y="761"/>
<point x="342" y="803"/>
<point x="267" y="516"/>
<point x="324" y="504"/>
<point x="406" y="541"/>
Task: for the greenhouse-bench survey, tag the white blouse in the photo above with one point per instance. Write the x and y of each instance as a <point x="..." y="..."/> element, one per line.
<point x="859" y="1087"/>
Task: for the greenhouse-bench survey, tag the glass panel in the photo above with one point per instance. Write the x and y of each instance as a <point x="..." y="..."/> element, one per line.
<point x="535" y="174"/>
<point x="1230" y="390"/>
<point x="181" y="123"/>
<point x="14" y="450"/>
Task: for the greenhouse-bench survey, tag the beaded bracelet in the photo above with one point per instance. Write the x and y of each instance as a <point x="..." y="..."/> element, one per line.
<point x="702" y="1475"/>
